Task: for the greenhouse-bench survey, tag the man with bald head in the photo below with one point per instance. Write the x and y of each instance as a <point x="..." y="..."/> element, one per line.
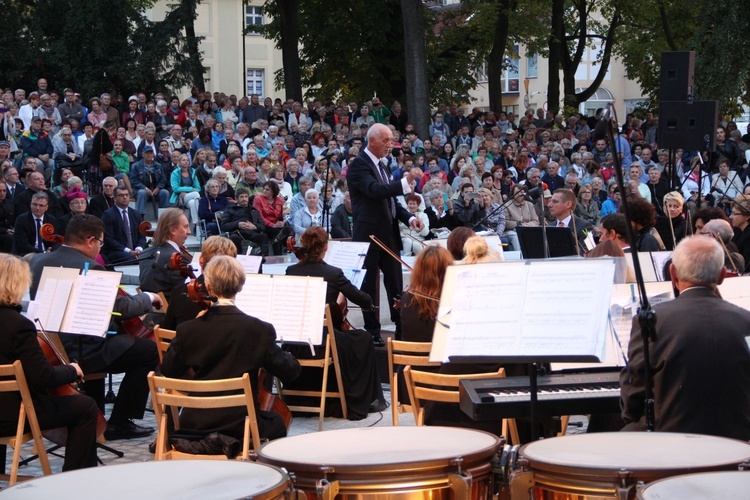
<point x="375" y="211"/>
<point x="700" y="360"/>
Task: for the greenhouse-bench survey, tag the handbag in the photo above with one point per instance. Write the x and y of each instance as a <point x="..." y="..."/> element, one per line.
<point x="105" y="163"/>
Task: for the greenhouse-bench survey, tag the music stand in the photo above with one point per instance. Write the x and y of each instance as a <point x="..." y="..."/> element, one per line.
<point x="560" y="240"/>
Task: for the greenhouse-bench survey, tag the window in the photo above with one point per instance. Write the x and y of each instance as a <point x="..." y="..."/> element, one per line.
<point x="255" y="82"/>
<point x="510" y="79"/>
<point x="253" y="15"/>
<point x="481" y="72"/>
<point x="532" y="66"/>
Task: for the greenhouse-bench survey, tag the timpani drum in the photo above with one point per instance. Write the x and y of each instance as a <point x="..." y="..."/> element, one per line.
<point x="728" y="485"/>
<point x="183" y="479"/>
<point x="611" y="464"/>
<point x="393" y="462"/>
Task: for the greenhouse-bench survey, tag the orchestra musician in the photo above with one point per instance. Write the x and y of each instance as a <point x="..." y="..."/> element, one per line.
<point x="181" y="307"/>
<point x="114" y="353"/>
<point x="18" y="341"/>
<point x="156" y="275"/>
<point x="356" y="351"/>
<point x="225" y="343"/>
<point x="700" y="359"/>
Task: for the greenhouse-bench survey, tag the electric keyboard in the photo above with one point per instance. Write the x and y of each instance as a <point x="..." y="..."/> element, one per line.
<point x="567" y="394"/>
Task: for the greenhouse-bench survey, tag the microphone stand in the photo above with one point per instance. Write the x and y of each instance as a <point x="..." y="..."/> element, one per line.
<point x="326" y="210"/>
<point x="646" y="315"/>
<point x="500" y="208"/>
<point x="545" y="243"/>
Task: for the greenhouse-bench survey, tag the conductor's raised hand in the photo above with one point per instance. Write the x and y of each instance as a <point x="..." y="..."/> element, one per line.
<point x="413" y="175"/>
<point x="416" y="224"/>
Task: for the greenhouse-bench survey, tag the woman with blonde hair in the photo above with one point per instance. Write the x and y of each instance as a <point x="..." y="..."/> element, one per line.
<point x="477" y="250"/>
<point x="18" y="342"/>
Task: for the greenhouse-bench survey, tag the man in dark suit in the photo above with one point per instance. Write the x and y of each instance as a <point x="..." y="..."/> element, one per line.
<point x="700" y="359"/>
<point x="238" y="344"/>
<point x="243" y="222"/>
<point x="375" y="211"/>
<point x="14" y="183"/>
<point x="114" y="353"/>
<point x="27" y="237"/>
<point x="170" y="236"/>
<point x="122" y="240"/>
<point x="104" y="200"/>
<point x="561" y="207"/>
<point x="7" y="219"/>
<point x="35" y="181"/>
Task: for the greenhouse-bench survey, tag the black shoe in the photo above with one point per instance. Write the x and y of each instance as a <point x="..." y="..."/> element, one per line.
<point x="126" y="430"/>
<point x="152" y="447"/>
<point x="377" y="406"/>
<point x="378" y="341"/>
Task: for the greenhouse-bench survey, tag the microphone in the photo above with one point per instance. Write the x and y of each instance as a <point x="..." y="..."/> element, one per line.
<point x="534" y="191"/>
<point x="716" y="189"/>
<point x="600" y="131"/>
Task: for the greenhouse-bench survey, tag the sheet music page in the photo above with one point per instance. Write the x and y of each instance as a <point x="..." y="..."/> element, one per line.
<point x="52" y="303"/>
<point x="346" y="254"/>
<point x="91" y="303"/>
<point x="659" y="259"/>
<point x="59" y="273"/>
<point x="255" y="297"/>
<point x="487" y="308"/>
<point x="298" y="307"/>
<point x="251" y="263"/>
<point x="566" y="305"/>
<point x="737" y="291"/>
<point x="196" y="264"/>
<point x="356" y="276"/>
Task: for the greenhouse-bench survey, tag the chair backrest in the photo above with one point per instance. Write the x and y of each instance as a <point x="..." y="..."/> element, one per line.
<point x="182" y="393"/>
<point x="16" y="379"/>
<point x="163" y="338"/>
<point x="426" y="386"/>
<point x="403" y="353"/>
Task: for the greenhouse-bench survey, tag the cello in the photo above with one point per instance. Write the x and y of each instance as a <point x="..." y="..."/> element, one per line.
<point x="56" y="358"/>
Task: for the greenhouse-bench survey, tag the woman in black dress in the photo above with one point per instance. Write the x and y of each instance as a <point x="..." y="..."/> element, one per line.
<point x="355" y="348"/>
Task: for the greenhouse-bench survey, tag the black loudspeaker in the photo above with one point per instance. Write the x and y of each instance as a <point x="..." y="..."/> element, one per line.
<point x="677" y="70"/>
<point x="688" y="126"/>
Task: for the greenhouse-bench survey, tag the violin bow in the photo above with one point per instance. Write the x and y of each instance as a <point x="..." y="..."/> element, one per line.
<point x="389" y="251"/>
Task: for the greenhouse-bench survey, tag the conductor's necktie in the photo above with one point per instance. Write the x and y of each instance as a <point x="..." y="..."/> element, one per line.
<point x="384" y="179"/>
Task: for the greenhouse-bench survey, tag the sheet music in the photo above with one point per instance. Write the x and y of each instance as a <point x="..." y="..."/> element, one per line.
<point x="647" y="266"/>
<point x="52" y="303"/>
<point x="346" y="254"/>
<point x="536" y="308"/>
<point x="91" y="304"/>
<point x="356" y="276"/>
<point x="736" y="290"/>
<point x="251" y="263"/>
<point x="255" y="297"/>
<point x="196" y="264"/>
<point x="294" y="305"/>
<point x="659" y="259"/>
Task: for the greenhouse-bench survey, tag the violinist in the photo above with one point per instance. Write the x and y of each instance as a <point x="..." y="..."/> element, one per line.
<point x="115" y="353"/>
<point x="418" y="304"/>
<point x="225" y="343"/>
<point x="171" y="233"/>
<point x="122" y="240"/>
<point x="356" y="350"/>
<point x="182" y="307"/>
<point x="18" y="342"/>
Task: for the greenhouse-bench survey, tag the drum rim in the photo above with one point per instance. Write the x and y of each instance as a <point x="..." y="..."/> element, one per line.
<point x="404" y="468"/>
<point x="536" y="463"/>
<point x="684" y="476"/>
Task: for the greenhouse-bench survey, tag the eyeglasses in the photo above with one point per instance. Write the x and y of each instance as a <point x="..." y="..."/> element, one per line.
<point x="39" y="205"/>
<point x="101" y="242"/>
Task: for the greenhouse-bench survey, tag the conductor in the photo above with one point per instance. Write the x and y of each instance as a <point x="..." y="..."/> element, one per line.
<point x="375" y="211"/>
<point x="700" y="359"/>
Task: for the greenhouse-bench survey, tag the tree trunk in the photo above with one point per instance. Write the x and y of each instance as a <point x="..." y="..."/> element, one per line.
<point x="289" y="26"/>
<point x="196" y="67"/>
<point x="415" y="59"/>
<point x="497" y="54"/>
<point x="556" y="41"/>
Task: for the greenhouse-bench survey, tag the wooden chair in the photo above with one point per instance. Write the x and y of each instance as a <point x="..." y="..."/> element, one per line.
<point x="402" y="353"/>
<point x="17" y="383"/>
<point x="444" y="389"/>
<point x="163" y="338"/>
<point x="180" y="393"/>
<point x="330" y="357"/>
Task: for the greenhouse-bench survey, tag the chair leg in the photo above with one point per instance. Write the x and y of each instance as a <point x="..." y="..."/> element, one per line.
<point x="16" y="444"/>
<point x="394" y="398"/>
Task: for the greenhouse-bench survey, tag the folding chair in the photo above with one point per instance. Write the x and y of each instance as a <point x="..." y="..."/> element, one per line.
<point x="163" y="338"/>
<point x="330" y="357"/>
<point x="172" y="392"/>
<point x="444" y="389"/>
<point x="402" y="353"/>
<point x="17" y="383"/>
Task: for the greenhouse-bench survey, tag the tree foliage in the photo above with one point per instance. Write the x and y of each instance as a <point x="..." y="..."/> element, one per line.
<point x="96" y="46"/>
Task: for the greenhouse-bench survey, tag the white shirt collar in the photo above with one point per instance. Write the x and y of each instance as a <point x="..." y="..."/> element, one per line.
<point x="566" y="220"/>
<point x="372" y="156"/>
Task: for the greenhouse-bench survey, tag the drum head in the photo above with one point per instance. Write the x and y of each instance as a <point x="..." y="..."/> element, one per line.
<point x="379" y="449"/>
<point x="639" y="452"/>
<point x="699" y="486"/>
<point x="183" y="479"/>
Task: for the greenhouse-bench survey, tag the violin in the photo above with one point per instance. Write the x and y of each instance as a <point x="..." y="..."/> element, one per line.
<point x="56" y="358"/>
<point x="267" y="401"/>
<point x="145" y="229"/>
<point x="197" y="292"/>
<point x="293" y="247"/>
<point x="181" y="262"/>
<point x="47" y="231"/>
